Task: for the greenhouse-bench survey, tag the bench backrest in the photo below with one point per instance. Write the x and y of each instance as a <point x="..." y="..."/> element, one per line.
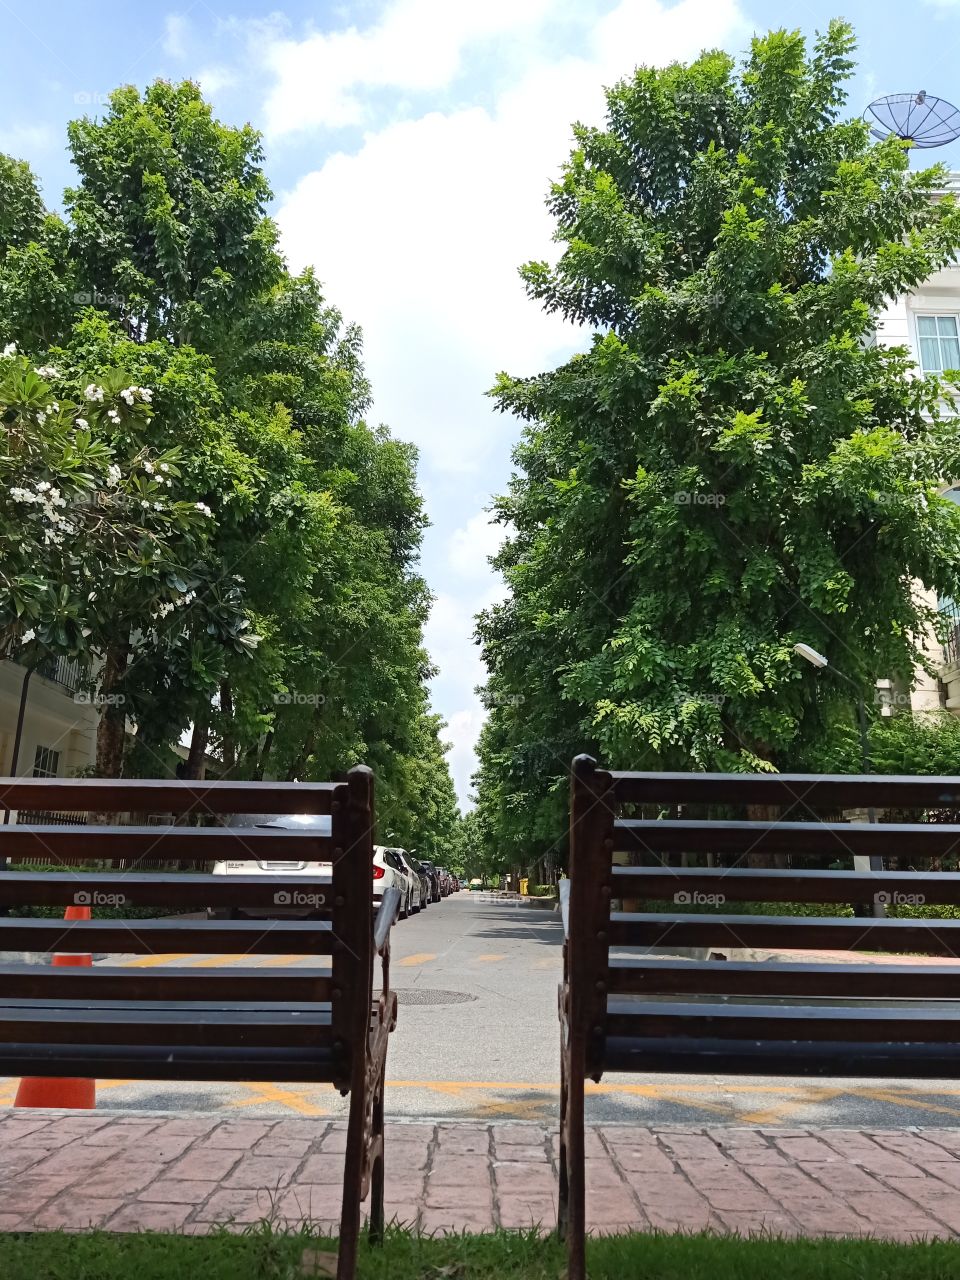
<point x="796" y="821"/>
<point x="339" y="933"/>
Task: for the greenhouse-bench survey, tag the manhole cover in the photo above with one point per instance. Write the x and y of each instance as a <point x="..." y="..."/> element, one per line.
<point x="422" y="995"/>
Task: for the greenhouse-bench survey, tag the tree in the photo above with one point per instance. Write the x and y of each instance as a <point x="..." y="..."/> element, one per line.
<point x="99" y="548"/>
<point x="732" y="465"/>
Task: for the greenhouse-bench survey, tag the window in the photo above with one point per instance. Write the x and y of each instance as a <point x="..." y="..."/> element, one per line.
<point x="939" y="340"/>
<point x="46" y="763"/>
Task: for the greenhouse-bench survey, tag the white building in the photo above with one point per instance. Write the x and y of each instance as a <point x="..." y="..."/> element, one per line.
<point x="58" y="738"/>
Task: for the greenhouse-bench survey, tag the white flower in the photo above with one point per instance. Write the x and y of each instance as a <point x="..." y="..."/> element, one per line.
<point x="27" y="635"/>
<point x="148" y="468"/>
<point x="164" y="466"/>
<point x="9" y="351"/>
<point x="47" y="372"/>
<point x="113" y="415"/>
<point x="202" y="507"/>
<point x="113" y="475"/>
<point x="163" y="609"/>
<point x="158" y="506"/>
<point x="146" y="395"/>
<point x="93" y="392"/>
<point x="82" y="423"/>
<point x="43" y="486"/>
<point x="128" y="394"/>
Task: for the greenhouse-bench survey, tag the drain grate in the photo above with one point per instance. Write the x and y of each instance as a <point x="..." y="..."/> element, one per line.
<point x="423" y="995"/>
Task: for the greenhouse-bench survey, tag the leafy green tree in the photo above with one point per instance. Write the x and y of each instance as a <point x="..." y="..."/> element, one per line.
<point x="733" y="464"/>
<point x="103" y="559"/>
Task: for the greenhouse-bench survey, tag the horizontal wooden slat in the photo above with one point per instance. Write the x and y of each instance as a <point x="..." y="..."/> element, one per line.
<point x="793" y="1059"/>
<point x="244" y="844"/>
<point x="925" y="937"/>
<point x="136" y="795"/>
<point x="833" y="839"/>
<point x="130" y="1022"/>
<point x="743" y="885"/>
<point x="813" y="791"/>
<point x="151" y="937"/>
<point x="934" y="1022"/>
<point x="109" y="982"/>
<point x="140" y="889"/>
<point x="310" y="1064"/>
<point x="653" y="976"/>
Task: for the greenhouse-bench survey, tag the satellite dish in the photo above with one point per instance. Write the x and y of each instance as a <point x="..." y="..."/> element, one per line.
<point x="915" y="117"/>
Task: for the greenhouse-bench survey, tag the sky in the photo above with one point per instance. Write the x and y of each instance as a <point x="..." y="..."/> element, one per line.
<point x="410" y="145"/>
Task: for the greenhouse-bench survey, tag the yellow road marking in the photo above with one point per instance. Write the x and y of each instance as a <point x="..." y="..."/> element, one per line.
<point x="285" y="1098"/>
<point x="905" y="1100"/>
<point x="421" y="957"/>
<point x="280" y="962"/>
<point x="772" y="1115"/>
<point x="489" y="958"/>
<point x="222" y="961"/>
<point x="147" y="962"/>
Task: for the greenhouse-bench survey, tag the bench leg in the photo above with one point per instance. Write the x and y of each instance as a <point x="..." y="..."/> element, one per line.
<point x="571" y="1220"/>
<point x="377" y="1176"/>
<point x="352" y="1184"/>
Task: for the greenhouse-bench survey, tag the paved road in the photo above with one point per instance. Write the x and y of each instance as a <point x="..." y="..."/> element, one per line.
<point x="478" y="1039"/>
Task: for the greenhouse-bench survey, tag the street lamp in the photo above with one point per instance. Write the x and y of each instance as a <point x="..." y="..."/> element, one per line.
<point x="818" y="660"/>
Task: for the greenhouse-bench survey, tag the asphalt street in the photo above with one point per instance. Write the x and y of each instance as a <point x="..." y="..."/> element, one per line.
<point x="478" y="1039"/>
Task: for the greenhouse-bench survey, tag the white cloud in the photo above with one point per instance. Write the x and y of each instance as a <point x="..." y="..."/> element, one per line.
<point x="419" y="230"/>
<point x="21" y="140"/>
<point x="175" y="31"/>
<point x="416" y="46"/>
<point x="213" y="80"/>
<point x="472" y="546"/>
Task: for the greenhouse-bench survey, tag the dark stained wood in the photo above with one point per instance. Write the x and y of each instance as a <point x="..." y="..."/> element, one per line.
<point x="833" y="839"/>
<point x="655" y="976"/>
<point x="179" y="1023"/>
<point x="140" y="795"/>
<point x="795" y="1060"/>
<point x="932" y="1022"/>
<point x="166" y="984"/>
<point x="309" y="1065"/>
<point x="83" y="844"/>
<point x="154" y="937"/>
<point x="793" y="791"/>
<point x="925" y="937"/>
<point x="742" y="885"/>
<point x="163" y="889"/>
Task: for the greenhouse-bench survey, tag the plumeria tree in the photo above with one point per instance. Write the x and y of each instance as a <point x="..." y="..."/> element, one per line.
<point x="101" y="558"/>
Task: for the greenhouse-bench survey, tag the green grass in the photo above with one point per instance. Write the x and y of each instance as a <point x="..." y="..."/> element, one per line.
<point x="264" y="1253"/>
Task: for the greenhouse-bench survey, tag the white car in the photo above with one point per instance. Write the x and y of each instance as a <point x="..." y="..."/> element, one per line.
<point x="274" y="867"/>
<point x="390" y="872"/>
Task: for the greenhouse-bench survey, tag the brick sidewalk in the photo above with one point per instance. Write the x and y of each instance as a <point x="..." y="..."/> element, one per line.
<point x="132" y="1170"/>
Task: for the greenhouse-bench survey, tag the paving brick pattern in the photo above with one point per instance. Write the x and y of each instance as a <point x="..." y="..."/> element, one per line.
<point x="129" y="1171"/>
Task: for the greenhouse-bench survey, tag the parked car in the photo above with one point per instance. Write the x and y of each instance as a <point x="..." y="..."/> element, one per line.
<point x="274" y="867"/>
<point x="390" y="872"/>
<point x="476" y="884"/>
<point x="434" y="877"/>
<point x="446" y="885"/>
<point x="416" y="870"/>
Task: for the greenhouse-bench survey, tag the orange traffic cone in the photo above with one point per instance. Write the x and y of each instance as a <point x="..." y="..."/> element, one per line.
<point x="68" y="1091"/>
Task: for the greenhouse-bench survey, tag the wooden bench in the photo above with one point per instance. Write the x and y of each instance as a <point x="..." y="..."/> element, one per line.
<point x="321" y="1023"/>
<point x="624" y="1009"/>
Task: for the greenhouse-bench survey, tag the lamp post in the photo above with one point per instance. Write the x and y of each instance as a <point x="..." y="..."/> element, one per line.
<point x="818" y="660"/>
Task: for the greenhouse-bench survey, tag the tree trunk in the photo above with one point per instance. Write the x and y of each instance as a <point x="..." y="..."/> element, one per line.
<point x="264" y="757"/>
<point x="228" y="746"/>
<point x="196" y="756"/>
<point x="111" y="730"/>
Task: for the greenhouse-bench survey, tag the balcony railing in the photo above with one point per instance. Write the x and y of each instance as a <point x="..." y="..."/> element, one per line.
<point x="951" y="646"/>
<point x="66" y="672"/>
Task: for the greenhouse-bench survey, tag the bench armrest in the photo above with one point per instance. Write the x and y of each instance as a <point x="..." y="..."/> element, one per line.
<point x="564" y="888"/>
<point x="386" y="918"/>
